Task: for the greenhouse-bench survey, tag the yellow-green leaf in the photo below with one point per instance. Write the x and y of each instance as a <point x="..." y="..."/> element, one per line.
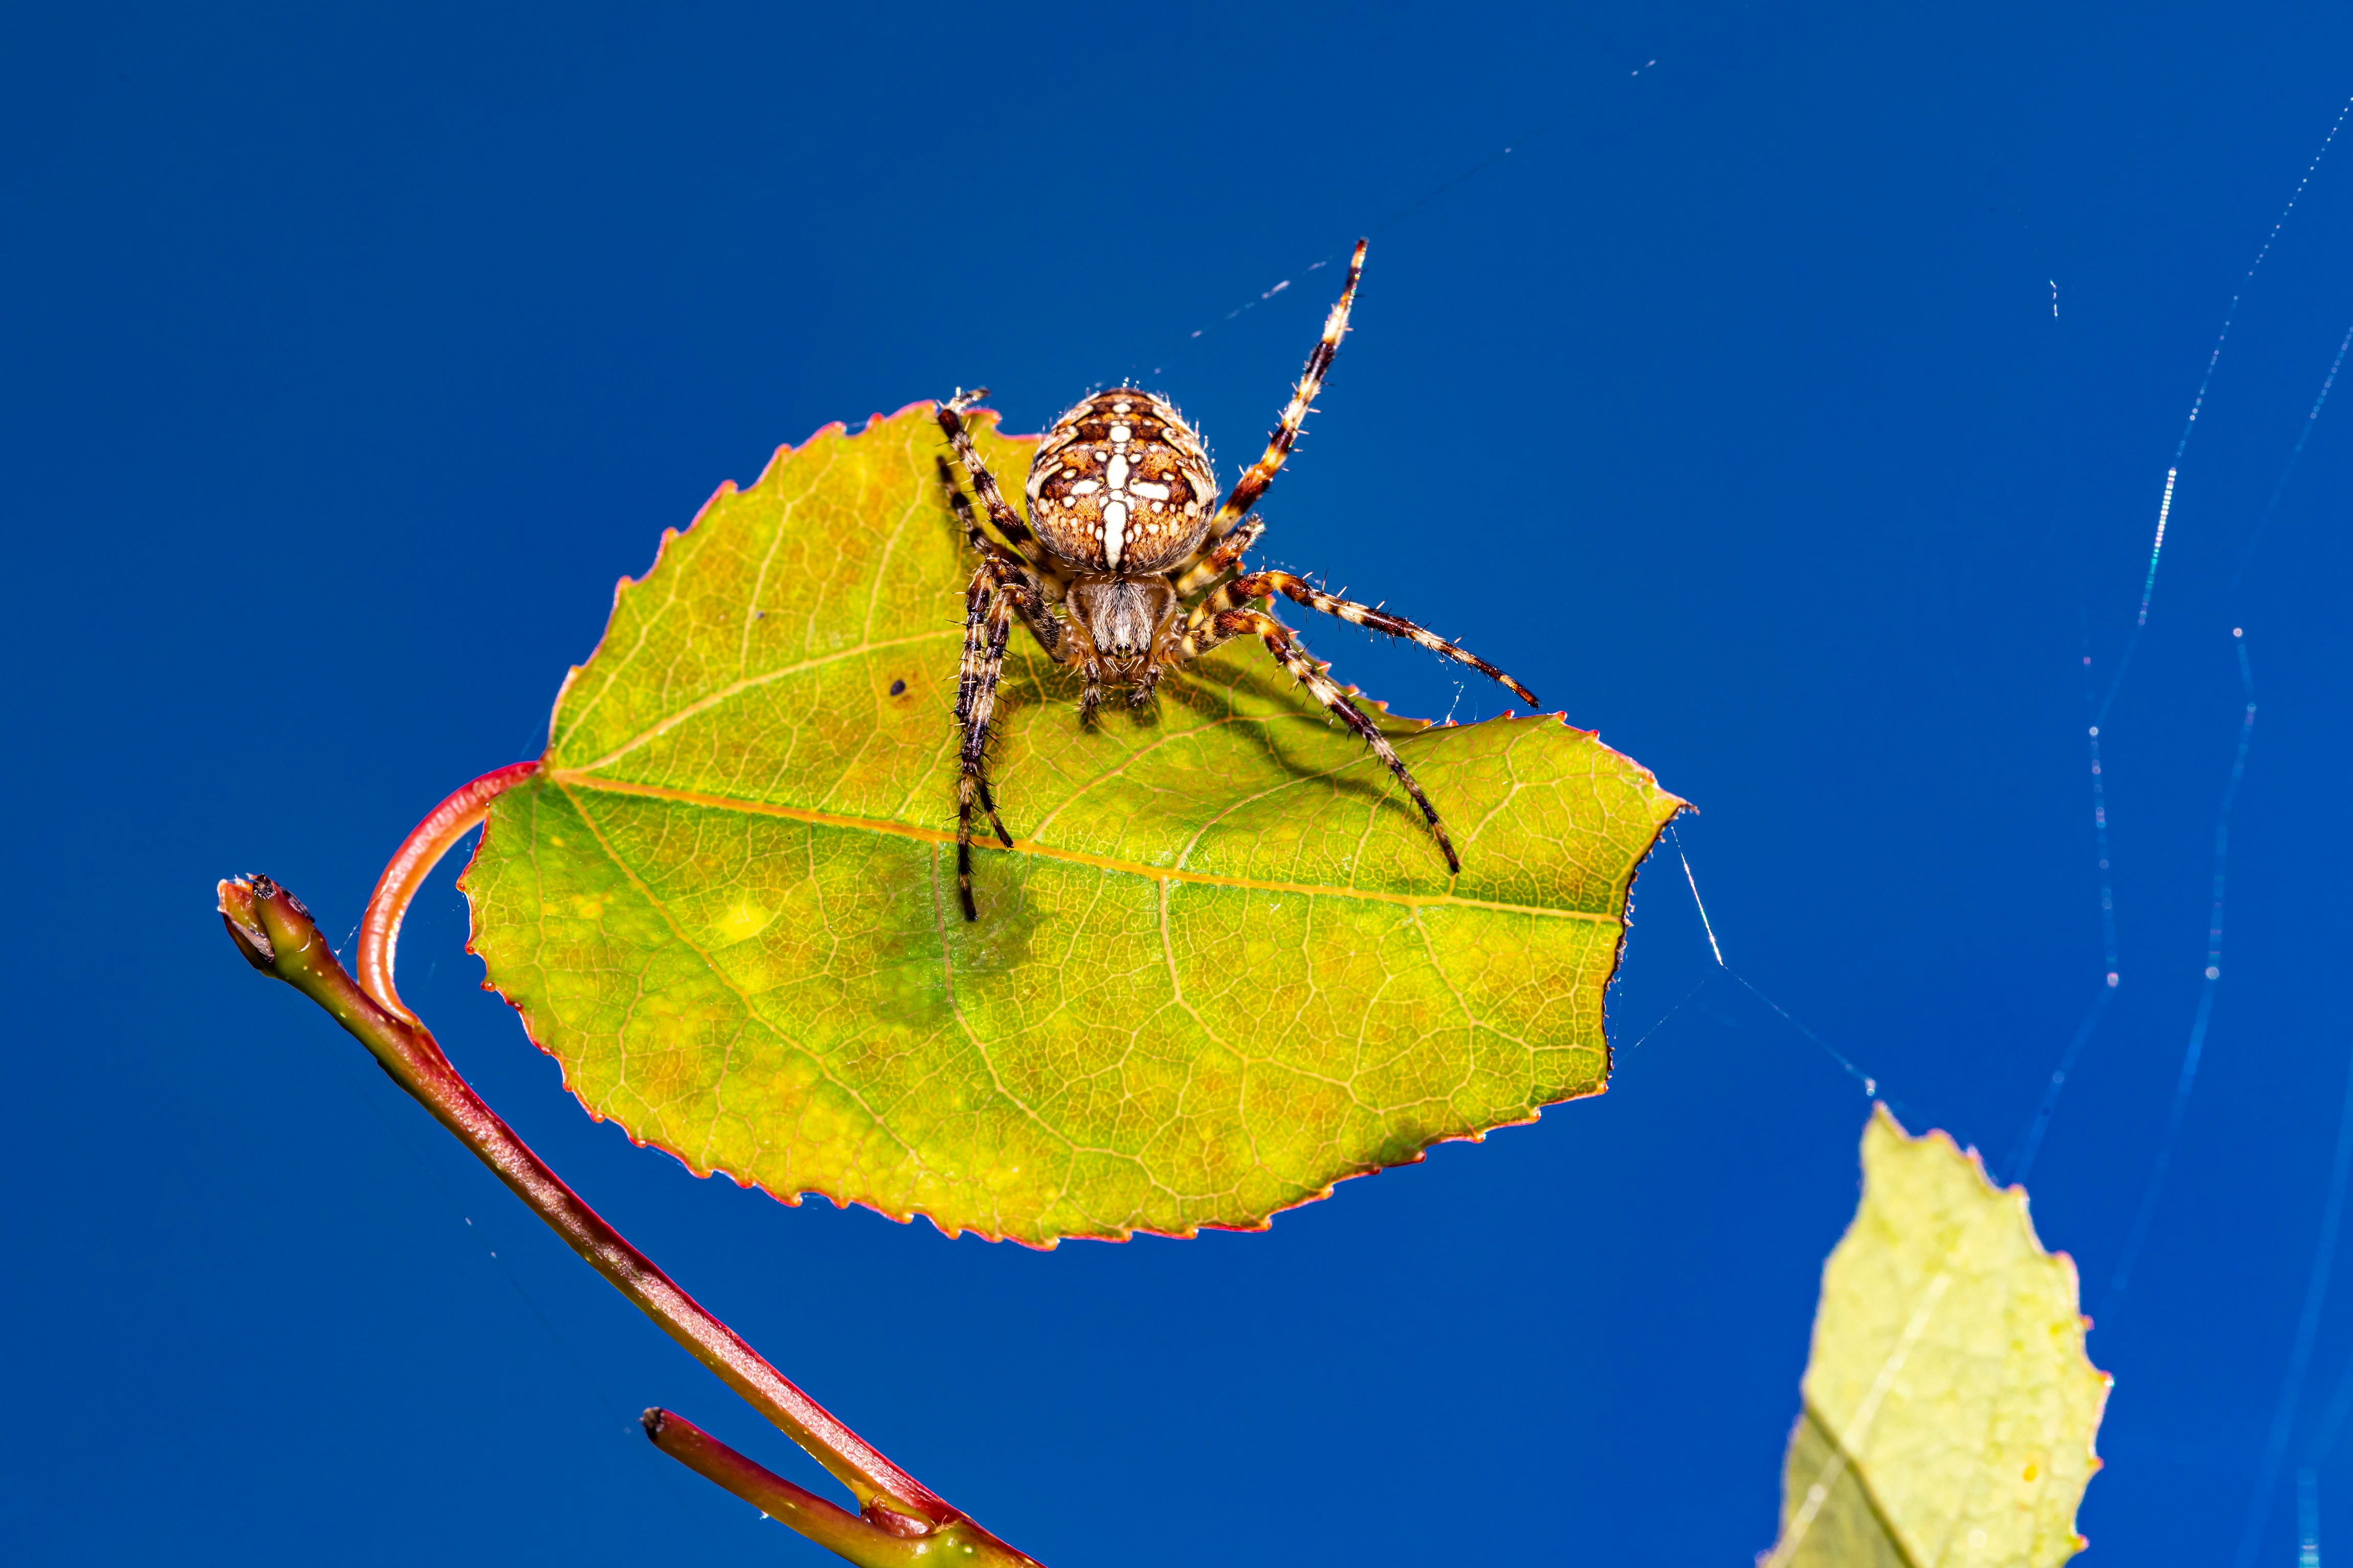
<point x="1951" y="1408"/>
<point x="1225" y="968"/>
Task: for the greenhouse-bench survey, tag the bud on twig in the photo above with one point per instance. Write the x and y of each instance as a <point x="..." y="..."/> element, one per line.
<point x="237" y="914"/>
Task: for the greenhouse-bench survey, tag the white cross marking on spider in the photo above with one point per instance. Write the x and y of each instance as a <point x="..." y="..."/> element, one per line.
<point x="1116" y="503"/>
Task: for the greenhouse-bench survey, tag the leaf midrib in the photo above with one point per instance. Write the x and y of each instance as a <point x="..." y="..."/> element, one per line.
<point x="571" y="780"/>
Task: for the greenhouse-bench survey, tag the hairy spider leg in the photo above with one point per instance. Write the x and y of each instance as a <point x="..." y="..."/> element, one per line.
<point x="1002" y="586"/>
<point x="984" y="483"/>
<point x="1259" y="585"/>
<point x="993" y="579"/>
<point x="980" y="599"/>
<point x="1281" y="642"/>
<point x="1031" y="605"/>
<point x="1042" y="625"/>
<point x="969" y="519"/>
<point x="988" y="625"/>
<point x="973" y="781"/>
<point x="1224" y="557"/>
<point x="1252" y="484"/>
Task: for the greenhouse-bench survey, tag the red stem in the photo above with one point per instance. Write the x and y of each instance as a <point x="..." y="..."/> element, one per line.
<point x="277" y="934"/>
<point x="410" y="865"/>
<point x="834" y="1528"/>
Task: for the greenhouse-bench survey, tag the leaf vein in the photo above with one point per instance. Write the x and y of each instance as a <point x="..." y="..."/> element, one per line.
<point x="573" y="781"/>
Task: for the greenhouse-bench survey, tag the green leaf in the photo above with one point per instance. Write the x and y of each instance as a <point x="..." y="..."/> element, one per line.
<point x="1225" y="968"/>
<point x="1951" y="1408"/>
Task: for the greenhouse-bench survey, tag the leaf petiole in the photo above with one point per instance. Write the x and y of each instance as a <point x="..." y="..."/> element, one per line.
<point x="405" y="874"/>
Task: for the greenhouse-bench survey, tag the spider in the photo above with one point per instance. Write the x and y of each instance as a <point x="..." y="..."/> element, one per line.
<point x="1125" y="529"/>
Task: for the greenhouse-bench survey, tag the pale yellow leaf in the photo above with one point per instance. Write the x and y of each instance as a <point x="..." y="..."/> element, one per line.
<point x="1949" y="1406"/>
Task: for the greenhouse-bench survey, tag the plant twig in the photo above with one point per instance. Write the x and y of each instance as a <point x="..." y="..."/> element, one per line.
<point x="834" y="1528"/>
<point x="278" y="936"/>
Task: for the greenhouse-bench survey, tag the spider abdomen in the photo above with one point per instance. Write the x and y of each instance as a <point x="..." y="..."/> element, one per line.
<point x="1121" y="485"/>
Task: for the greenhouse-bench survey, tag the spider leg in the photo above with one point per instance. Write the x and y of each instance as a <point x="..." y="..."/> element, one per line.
<point x="1260" y="474"/>
<point x="1042" y="625"/>
<point x="1259" y="585"/>
<point x="989" y="605"/>
<point x="1215" y="562"/>
<point x="1281" y="642"/>
<point x="984" y="483"/>
<point x="975" y="535"/>
<point x="984" y="660"/>
<point x="988" y="804"/>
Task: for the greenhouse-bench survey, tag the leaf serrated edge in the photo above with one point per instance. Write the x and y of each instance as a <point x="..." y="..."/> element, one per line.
<point x="728" y="488"/>
<point x="561" y="777"/>
<point x="1416" y="1155"/>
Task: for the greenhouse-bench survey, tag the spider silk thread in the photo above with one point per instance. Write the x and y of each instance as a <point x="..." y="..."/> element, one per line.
<point x="1462" y="177"/>
<point x="2030" y="1141"/>
<point x="2299" y="1360"/>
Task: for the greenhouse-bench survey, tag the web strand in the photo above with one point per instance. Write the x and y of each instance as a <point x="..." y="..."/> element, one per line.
<point x="1704" y="923"/>
<point x="2198" y="402"/>
<point x="2198" y="405"/>
<point x="1661" y="1021"/>
<point x="2307" y="1327"/>
<point x="1870" y="1082"/>
<point x="2311" y="419"/>
<point x="2029" y="1142"/>
<point x="2121" y="1281"/>
<point x="1463" y="176"/>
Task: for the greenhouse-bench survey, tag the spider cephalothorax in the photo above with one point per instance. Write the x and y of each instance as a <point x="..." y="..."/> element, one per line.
<point x="1124" y="527"/>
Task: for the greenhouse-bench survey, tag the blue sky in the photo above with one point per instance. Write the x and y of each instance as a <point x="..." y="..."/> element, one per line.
<point x="1729" y="409"/>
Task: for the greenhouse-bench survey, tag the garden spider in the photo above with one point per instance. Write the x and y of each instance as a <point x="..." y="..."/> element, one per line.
<point x="1124" y="526"/>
